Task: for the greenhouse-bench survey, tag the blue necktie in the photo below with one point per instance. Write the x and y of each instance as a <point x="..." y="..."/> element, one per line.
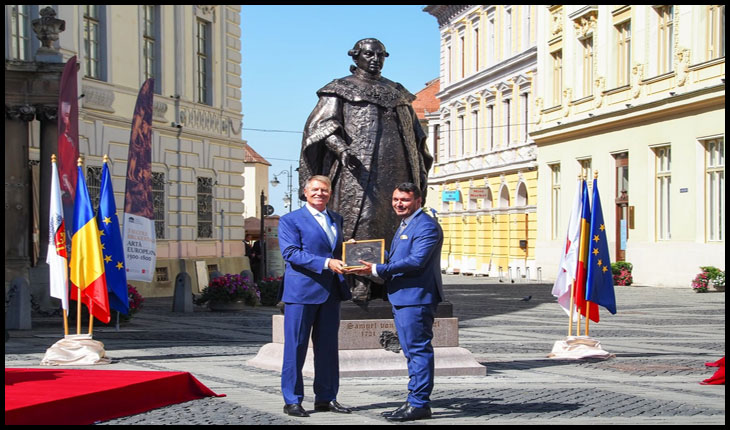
<point x="328" y="228"/>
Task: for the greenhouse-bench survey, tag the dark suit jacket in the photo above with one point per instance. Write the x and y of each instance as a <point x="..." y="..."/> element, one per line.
<point x="413" y="268"/>
<point x="305" y="247"/>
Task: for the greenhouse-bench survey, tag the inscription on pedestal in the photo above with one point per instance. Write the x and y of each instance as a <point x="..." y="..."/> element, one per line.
<point x="365" y="334"/>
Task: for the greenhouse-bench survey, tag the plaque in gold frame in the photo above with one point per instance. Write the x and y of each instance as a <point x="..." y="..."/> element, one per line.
<point x="372" y="251"/>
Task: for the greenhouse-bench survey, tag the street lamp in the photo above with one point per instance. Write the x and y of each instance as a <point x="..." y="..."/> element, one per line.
<point x="288" y="196"/>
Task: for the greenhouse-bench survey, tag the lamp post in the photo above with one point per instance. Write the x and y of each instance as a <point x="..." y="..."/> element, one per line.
<point x="288" y="196"/>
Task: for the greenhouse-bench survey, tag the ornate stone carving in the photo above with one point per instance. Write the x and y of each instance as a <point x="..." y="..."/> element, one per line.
<point x="46" y="112"/>
<point x="600" y="84"/>
<point x="97" y="98"/>
<point x="20" y="112"/>
<point x="159" y="109"/>
<point x="681" y="65"/>
<point x="637" y="76"/>
<point x="47" y="28"/>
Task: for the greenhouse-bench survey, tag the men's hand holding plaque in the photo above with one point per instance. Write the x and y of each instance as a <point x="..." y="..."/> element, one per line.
<point x="354" y="252"/>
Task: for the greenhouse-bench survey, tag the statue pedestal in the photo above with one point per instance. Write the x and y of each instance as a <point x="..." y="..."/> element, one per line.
<point x="361" y="352"/>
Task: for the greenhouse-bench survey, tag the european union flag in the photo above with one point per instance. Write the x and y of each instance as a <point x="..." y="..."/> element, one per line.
<point x="599" y="282"/>
<point x="111" y="244"/>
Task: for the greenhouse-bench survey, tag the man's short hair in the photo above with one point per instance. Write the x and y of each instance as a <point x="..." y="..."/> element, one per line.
<point x="319" y="178"/>
<point x="409" y="187"/>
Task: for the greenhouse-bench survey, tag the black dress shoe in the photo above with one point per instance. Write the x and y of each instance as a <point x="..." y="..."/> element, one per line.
<point x="332" y="406"/>
<point x="400" y="409"/>
<point x="411" y="414"/>
<point x="295" y="410"/>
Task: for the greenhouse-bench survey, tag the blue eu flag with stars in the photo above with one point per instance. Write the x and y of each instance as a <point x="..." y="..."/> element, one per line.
<point x="599" y="282"/>
<point x="111" y="245"/>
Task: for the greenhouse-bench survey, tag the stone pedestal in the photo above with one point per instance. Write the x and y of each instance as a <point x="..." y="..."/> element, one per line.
<point x="361" y="353"/>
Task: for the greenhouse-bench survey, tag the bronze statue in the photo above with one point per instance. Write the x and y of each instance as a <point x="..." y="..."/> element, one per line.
<point x="365" y="136"/>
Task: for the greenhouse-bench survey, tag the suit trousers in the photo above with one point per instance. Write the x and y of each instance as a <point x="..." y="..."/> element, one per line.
<point x="323" y="322"/>
<point x="415" y="332"/>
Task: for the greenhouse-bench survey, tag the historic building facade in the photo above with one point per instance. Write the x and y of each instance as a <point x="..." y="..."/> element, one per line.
<point x="636" y="93"/>
<point x="198" y="156"/>
<point x="484" y="181"/>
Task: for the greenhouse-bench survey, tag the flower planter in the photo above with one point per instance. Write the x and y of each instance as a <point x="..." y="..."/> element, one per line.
<point x="720" y="288"/>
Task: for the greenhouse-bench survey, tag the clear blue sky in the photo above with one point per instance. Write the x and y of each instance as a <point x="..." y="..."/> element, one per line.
<point x="289" y="52"/>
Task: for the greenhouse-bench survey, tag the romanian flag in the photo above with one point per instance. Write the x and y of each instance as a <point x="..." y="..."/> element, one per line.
<point x="581" y="273"/>
<point x="599" y="283"/>
<point x="87" y="266"/>
<point x="111" y="244"/>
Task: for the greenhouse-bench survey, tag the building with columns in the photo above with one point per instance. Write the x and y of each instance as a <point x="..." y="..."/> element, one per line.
<point x="484" y="181"/>
<point x="637" y="94"/>
<point x="198" y="156"/>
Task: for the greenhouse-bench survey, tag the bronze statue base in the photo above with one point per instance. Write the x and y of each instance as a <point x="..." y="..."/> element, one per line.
<point x="381" y="309"/>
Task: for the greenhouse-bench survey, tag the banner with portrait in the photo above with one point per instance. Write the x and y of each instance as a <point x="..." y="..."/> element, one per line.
<point x="139" y="240"/>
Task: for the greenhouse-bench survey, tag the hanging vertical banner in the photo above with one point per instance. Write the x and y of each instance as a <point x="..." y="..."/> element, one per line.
<point x="139" y="239"/>
<point x="68" y="136"/>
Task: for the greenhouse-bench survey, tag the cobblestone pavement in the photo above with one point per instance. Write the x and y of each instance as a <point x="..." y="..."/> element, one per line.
<point x="661" y="338"/>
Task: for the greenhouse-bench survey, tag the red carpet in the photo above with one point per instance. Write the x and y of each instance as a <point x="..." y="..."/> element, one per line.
<point x="73" y="396"/>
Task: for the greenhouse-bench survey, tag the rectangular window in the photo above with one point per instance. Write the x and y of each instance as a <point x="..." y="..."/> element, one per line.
<point x="93" y="184"/>
<point x="715" y="186"/>
<point x="491" y="43"/>
<point x="476" y="50"/>
<point x="20" y="32"/>
<point x="507" y="34"/>
<point x="203" y="62"/>
<point x="462" y="56"/>
<point x="587" y="66"/>
<point x="555" y="201"/>
<point x="436" y="143"/>
<point x="92" y="42"/>
<point x="524" y="98"/>
<point x="665" y="35"/>
<point x="205" y="208"/>
<point x="158" y="203"/>
<point x="507" y="122"/>
<point x="449" y="141"/>
<point x="490" y="126"/>
<point x="663" y="192"/>
<point x="475" y="132"/>
<point x="623" y="53"/>
<point x="462" y="140"/>
<point x="448" y="63"/>
<point x="716" y="31"/>
<point x="586" y="170"/>
<point x="557" y="60"/>
<point x="150" y="51"/>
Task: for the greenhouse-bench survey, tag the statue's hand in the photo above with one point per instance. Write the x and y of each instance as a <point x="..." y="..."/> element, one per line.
<point x="348" y="160"/>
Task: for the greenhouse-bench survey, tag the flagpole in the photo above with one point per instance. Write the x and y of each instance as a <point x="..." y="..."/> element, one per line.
<point x="570" y="321"/>
<point x="91" y="317"/>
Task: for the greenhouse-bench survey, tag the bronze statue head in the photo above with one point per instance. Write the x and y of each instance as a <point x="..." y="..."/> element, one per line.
<point x="369" y="56"/>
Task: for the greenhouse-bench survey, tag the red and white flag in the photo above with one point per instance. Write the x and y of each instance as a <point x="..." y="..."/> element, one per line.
<point x="57" y="259"/>
<point x="569" y="259"/>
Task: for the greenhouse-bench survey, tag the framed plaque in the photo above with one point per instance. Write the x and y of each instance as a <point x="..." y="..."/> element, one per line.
<point x="372" y="251"/>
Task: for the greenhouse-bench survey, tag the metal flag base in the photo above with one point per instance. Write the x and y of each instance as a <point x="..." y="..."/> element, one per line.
<point x="578" y="347"/>
<point x="74" y="350"/>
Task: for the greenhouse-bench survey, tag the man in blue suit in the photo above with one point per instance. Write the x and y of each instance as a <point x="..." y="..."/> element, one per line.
<point x="310" y="240"/>
<point x="412" y="274"/>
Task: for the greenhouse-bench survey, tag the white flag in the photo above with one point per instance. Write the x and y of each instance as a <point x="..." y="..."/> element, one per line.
<point x="57" y="257"/>
<point x="569" y="258"/>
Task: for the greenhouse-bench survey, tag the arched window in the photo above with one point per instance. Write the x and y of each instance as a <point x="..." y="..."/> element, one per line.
<point x="522" y="194"/>
<point x="504" y="197"/>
